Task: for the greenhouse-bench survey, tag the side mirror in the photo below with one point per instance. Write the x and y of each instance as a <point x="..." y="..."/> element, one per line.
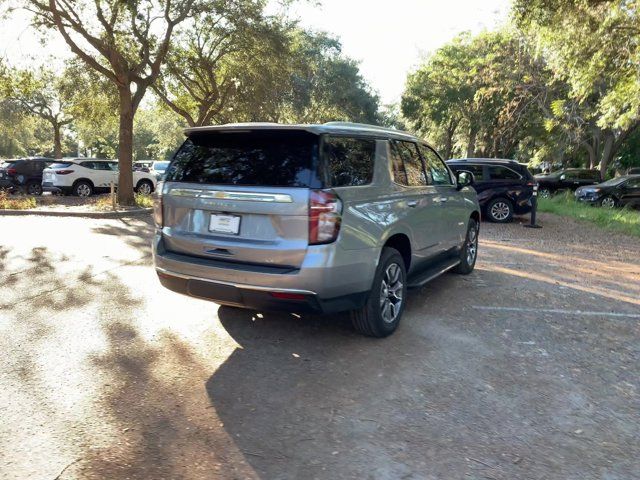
<point x="464" y="179"/>
<point x="563" y="177"/>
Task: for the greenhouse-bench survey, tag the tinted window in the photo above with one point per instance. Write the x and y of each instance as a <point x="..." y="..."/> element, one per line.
<point x="587" y="175"/>
<point x="271" y="158"/>
<point x="399" y="174"/>
<point x="413" y="164"/>
<point x="436" y="168"/>
<point x="88" y="164"/>
<point x="349" y="160"/>
<point x="477" y="170"/>
<point x="502" y="173"/>
<point x="61" y="165"/>
<point x="633" y="183"/>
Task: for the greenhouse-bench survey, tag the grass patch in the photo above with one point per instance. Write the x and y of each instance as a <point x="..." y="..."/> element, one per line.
<point x="625" y="220"/>
<point x="103" y="202"/>
<point x="144" y="201"/>
<point x="16" y="203"/>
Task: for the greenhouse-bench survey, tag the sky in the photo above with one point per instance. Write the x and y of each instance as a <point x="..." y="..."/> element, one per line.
<point x="388" y="37"/>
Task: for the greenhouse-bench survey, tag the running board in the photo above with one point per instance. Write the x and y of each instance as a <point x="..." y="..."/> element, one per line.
<point x="425" y="276"/>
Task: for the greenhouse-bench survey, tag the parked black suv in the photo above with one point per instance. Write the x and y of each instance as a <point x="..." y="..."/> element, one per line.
<point x="617" y="192"/>
<point x="504" y="187"/>
<point x="567" y="179"/>
<point x="24" y="174"/>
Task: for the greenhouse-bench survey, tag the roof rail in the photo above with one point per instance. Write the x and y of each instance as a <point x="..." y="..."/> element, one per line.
<point x="362" y="125"/>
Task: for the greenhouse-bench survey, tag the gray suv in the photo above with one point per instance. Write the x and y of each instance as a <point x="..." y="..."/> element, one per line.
<point x="312" y="218"/>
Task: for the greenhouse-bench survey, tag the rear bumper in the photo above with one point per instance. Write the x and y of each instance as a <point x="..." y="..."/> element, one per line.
<point x="320" y="285"/>
<point x="258" y="298"/>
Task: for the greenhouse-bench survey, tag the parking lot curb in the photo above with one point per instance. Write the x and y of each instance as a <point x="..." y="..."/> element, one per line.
<point x="62" y="213"/>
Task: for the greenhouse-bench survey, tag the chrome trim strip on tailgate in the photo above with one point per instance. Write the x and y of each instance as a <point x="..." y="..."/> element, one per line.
<point x="227" y="195"/>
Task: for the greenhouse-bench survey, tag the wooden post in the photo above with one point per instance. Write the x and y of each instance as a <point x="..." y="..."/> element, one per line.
<point x="113" y="195"/>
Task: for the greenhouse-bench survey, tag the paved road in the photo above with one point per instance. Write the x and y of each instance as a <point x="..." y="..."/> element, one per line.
<point x="526" y="369"/>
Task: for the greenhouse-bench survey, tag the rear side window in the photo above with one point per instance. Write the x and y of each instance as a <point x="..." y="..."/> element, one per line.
<point x="435" y="167"/>
<point x="414" y="170"/>
<point x="349" y="160"/>
<point x="88" y="165"/>
<point x="264" y="158"/>
<point x="587" y="175"/>
<point x="502" y="173"/>
<point x="477" y="170"/>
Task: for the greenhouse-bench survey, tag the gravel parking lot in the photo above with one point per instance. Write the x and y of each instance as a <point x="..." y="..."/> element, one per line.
<point x="527" y="369"/>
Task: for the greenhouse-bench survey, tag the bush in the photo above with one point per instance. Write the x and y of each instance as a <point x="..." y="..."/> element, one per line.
<point x="16" y="203"/>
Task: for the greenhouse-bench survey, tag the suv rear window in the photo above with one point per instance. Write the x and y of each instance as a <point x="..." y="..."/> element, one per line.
<point x="349" y="160"/>
<point x="264" y="158"/>
<point x="502" y="173"/>
<point x="60" y="165"/>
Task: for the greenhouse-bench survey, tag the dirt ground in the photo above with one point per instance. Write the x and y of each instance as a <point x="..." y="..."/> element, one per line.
<point x="526" y="369"/>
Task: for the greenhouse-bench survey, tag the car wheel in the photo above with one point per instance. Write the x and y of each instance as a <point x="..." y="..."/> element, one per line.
<point x="34" y="188"/>
<point x="500" y="210"/>
<point x="545" y="193"/>
<point x="83" y="189"/>
<point x="608" y="202"/>
<point x="469" y="250"/>
<point x="381" y="314"/>
<point x="145" y="187"/>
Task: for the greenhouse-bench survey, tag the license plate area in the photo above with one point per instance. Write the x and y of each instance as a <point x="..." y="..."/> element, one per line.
<point x="224" y="223"/>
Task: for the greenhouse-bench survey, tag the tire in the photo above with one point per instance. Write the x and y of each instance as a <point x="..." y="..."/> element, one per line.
<point x="608" y="202"/>
<point x="145" y="187"/>
<point x="545" y="193"/>
<point x="369" y="320"/>
<point x="469" y="250"/>
<point x="82" y="189"/>
<point x="33" y="188"/>
<point x="500" y="210"/>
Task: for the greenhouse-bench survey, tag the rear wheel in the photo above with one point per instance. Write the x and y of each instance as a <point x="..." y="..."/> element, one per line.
<point x="545" y="193"/>
<point x="469" y="250"/>
<point x="83" y="189"/>
<point x="382" y="312"/>
<point x="145" y="187"/>
<point x="34" y="188"/>
<point x="500" y="210"/>
<point x="608" y="202"/>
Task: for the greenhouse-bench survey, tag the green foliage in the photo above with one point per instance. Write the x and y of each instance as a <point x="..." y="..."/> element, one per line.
<point x="622" y="220"/>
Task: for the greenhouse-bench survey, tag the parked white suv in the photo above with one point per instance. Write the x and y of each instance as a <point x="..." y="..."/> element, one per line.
<point x="85" y="176"/>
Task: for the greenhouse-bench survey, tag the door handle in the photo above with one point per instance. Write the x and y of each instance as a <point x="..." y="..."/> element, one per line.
<point x="412" y="204"/>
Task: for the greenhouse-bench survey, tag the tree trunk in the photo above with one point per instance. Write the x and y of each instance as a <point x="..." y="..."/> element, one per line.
<point x="471" y="146"/>
<point x="125" y="147"/>
<point x="607" y="154"/>
<point x="57" y="141"/>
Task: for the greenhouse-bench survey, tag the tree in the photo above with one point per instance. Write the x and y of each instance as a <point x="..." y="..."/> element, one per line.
<point x="41" y="93"/>
<point x="203" y="70"/>
<point x="593" y="45"/>
<point x="126" y="43"/>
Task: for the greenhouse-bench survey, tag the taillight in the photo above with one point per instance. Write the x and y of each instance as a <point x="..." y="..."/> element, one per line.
<point x="325" y="210"/>
<point x="157" y="208"/>
<point x="64" y="172"/>
<point x="11" y="171"/>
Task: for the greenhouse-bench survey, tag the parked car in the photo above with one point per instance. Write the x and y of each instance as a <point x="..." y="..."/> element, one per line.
<point x="320" y="218"/>
<point x="504" y="187"/>
<point x="159" y="169"/>
<point x="24" y="174"/>
<point x="617" y="192"/>
<point x="633" y="171"/>
<point x="567" y="179"/>
<point x="85" y="176"/>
